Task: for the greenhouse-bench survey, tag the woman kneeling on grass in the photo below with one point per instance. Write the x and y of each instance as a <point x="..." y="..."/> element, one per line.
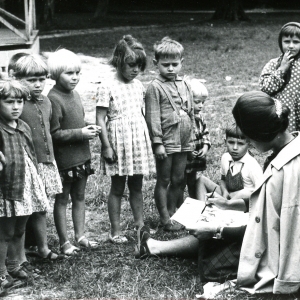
<point x="270" y="256"/>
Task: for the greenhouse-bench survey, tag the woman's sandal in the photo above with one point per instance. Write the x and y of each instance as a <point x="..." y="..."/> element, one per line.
<point x="142" y="249"/>
<point x="89" y="245"/>
<point x="118" y="239"/>
<point x="30" y="270"/>
<point x="72" y="250"/>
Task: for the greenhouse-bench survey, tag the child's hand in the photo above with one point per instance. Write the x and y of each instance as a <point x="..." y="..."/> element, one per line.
<point x="160" y="152"/>
<point x="2" y="161"/>
<point x="194" y="154"/>
<point x="202" y="152"/>
<point x="95" y="127"/>
<point x="109" y="155"/>
<point x="226" y="194"/>
<point x="286" y="62"/>
<point x="89" y="132"/>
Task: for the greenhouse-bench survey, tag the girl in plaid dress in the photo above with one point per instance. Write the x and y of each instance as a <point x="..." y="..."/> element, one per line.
<point x="22" y="191"/>
<point x="126" y="146"/>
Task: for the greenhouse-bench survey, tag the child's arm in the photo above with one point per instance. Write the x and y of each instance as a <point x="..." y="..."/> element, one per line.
<point x="152" y="116"/>
<point x="2" y="161"/>
<point x="272" y="77"/>
<point x="224" y="190"/>
<point x="60" y="135"/>
<point x="107" y="151"/>
<point x="205" y="140"/>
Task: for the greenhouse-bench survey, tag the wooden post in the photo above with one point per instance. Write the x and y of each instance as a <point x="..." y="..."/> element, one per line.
<point x="34" y="15"/>
<point x="27" y="29"/>
<point x="30" y="16"/>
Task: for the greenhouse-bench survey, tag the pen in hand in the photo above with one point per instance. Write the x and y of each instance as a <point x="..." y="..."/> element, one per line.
<point x="211" y="196"/>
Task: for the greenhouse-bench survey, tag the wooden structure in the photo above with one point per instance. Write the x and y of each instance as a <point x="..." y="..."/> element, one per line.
<point x="19" y="35"/>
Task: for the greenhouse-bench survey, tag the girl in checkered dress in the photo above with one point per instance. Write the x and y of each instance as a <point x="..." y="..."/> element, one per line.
<point x="22" y="191"/>
<point x="126" y="146"/>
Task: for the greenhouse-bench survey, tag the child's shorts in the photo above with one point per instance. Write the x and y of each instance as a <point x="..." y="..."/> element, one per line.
<point x="76" y="173"/>
<point x="177" y="137"/>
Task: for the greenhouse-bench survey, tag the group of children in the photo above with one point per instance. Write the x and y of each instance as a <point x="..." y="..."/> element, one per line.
<point x="45" y="143"/>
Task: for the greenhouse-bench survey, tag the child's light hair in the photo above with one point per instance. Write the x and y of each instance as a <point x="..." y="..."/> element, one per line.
<point x="13" y="88"/>
<point x="198" y="89"/>
<point x="30" y="65"/>
<point x="168" y="48"/>
<point x="128" y="48"/>
<point x="12" y="62"/>
<point x="61" y="61"/>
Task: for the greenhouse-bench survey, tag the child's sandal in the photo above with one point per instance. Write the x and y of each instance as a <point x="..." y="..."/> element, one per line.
<point x="117" y="239"/>
<point x="72" y="250"/>
<point x="89" y="245"/>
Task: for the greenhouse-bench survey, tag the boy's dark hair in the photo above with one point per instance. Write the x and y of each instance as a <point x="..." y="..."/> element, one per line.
<point x="128" y="48"/>
<point x="234" y="131"/>
<point x="168" y="48"/>
<point x="12" y="62"/>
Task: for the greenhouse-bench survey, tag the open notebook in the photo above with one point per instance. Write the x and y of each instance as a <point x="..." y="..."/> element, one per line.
<point x="189" y="213"/>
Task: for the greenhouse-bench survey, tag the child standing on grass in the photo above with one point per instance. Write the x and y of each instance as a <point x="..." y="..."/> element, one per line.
<point x="280" y="77"/>
<point x="240" y="172"/>
<point x="71" y="135"/>
<point x="197" y="159"/>
<point x="22" y="192"/>
<point x="126" y="146"/>
<point x="169" y="115"/>
<point x="32" y="71"/>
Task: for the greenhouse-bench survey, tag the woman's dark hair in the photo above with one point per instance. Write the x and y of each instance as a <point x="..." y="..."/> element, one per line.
<point x="259" y="118"/>
<point x="128" y="48"/>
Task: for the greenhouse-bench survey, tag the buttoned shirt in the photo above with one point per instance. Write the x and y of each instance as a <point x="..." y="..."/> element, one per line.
<point x="160" y="113"/>
<point x="37" y="114"/>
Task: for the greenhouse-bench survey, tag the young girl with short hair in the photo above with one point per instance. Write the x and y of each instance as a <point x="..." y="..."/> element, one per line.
<point x="71" y="135"/>
<point x="32" y="71"/>
<point x="126" y="146"/>
<point x="22" y="192"/>
<point x="280" y="76"/>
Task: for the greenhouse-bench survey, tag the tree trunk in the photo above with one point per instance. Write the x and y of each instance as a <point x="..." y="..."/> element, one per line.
<point x="45" y="9"/>
<point x="231" y="10"/>
<point x="101" y="9"/>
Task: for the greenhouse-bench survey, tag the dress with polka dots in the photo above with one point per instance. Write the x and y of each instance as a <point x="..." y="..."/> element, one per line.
<point x="272" y="82"/>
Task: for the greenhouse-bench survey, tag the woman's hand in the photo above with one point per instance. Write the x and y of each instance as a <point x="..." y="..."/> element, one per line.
<point x="109" y="155"/>
<point x="218" y="201"/>
<point x="160" y="152"/>
<point x="203" y="230"/>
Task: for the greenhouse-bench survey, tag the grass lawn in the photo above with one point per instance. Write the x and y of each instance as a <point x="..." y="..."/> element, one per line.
<point x="213" y="51"/>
